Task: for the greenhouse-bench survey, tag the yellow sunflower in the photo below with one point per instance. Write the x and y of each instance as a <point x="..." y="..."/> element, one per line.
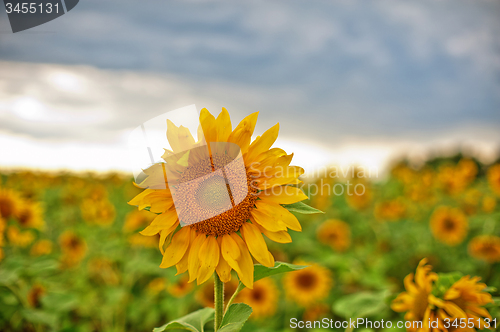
<point x="316" y="312"/>
<point x="485" y="247"/>
<point x="136" y="220"/>
<point x="19" y="238"/>
<point x="35" y="295"/>
<point x="489" y="204"/>
<point x="494" y="178"/>
<point x="98" y="211"/>
<point x="308" y="286"/>
<point x="335" y="233"/>
<point x="73" y="248"/>
<point x="392" y="210"/>
<point x="30" y="215"/>
<point x="41" y="247"/>
<point x="9" y="202"/>
<point x="214" y="244"/>
<point x="181" y="287"/>
<point x="449" y="225"/>
<point x="156" y="286"/>
<point x="263" y="298"/>
<point x="415" y="300"/>
<point x="464" y="299"/>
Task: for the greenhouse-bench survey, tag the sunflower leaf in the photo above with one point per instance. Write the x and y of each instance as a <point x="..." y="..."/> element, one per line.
<point x="261" y="271"/>
<point x="235" y="317"/>
<point x="193" y="322"/>
<point x="301" y="207"/>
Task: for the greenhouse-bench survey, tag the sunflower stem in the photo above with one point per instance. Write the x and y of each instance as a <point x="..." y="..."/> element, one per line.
<point x="218" y="301"/>
<point x="236" y="292"/>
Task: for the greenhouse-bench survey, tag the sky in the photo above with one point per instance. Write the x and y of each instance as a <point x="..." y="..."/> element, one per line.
<point x="348" y="81"/>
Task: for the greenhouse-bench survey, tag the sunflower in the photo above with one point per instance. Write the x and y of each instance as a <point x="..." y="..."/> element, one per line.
<point x="181" y="287"/>
<point x="263" y="298"/>
<point x="335" y="233"/>
<point x="392" y="210"/>
<point x="9" y="202"/>
<point x="308" y="286"/>
<point x="359" y="200"/>
<point x="316" y="312"/>
<point x="35" y="295"/>
<point x="141" y="241"/>
<point x="494" y="178"/>
<point x="73" y="248"/>
<point x="137" y="219"/>
<point x="449" y="225"/>
<point x="103" y="271"/>
<point x="423" y="302"/>
<point x="418" y="288"/>
<point x="485" y="247"/>
<point x="199" y="182"/>
<point x="29" y="215"/>
<point x="19" y="238"/>
<point x="489" y="204"/>
<point x="98" y="211"/>
<point x="41" y="247"/>
<point x="156" y="286"/>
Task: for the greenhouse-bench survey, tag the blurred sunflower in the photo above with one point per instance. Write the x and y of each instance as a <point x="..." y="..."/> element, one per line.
<point x="335" y="233"/>
<point x="213" y="244"/>
<point x="418" y="288"/>
<point x="485" y="247"/>
<point x="35" y="296"/>
<point x="316" y="312"/>
<point x="41" y="247"/>
<point x="136" y="220"/>
<point x="29" y="215"/>
<point x="73" y="248"/>
<point x="103" y="271"/>
<point x="263" y="298"/>
<point x="392" y="210"/>
<point x="494" y="178"/>
<point x="9" y="202"/>
<point x="423" y="302"/>
<point x="18" y="238"/>
<point x="489" y="203"/>
<point x="357" y="200"/>
<point x="156" y="286"/>
<point x="141" y="241"/>
<point x="449" y="225"/>
<point x="181" y="287"/>
<point x="98" y="211"/>
<point x="309" y="285"/>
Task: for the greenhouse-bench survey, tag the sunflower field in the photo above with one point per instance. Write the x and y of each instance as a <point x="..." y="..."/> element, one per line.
<point x="419" y="243"/>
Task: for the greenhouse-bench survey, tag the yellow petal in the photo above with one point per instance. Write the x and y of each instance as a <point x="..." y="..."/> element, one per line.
<point x="279" y="237"/>
<point x="242" y="134"/>
<point x="279" y="213"/>
<point x="283" y="195"/>
<point x="223" y="124"/>
<point x="256" y="244"/>
<point x="193" y="260"/>
<point x="245" y="262"/>
<point x="182" y="266"/>
<point x="163" y="221"/>
<point x="223" y="268"/>
<point x="209" y="258"/>
<point x="177" y="248"/>
<point x="138" y="200"/>
<point x="268" y="222"/>
<point x="207" y="121"/>
<point x="263" y="144"/>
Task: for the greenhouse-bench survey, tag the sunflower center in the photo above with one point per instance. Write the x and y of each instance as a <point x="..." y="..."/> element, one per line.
<point x="211" y="194"/>
<point x="24" y="218"/>
<point x="306" y="280"/>
<point x="258" y="294"/>
<point x="6" y="208"/>
<point x="449" y="225"/>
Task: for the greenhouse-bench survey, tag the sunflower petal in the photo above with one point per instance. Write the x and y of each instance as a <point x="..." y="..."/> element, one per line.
<point x="279" y="237"/>
<point x="245" y="262"/>
<point x="223" y="268"/>
<point x="163" y="221"/>
<point x="256" y="244"/>
<point x="263" y="144"/>
<point x="208" y="125"/>
<point x="176" y="250"/>
<point x="209" y="258"/>
<point x="242" y="134"/>
<point x="280" y="213"/>
<point x="193" y="260"/>
<point x="223" y="123"/>
<point x="268" y="222"/>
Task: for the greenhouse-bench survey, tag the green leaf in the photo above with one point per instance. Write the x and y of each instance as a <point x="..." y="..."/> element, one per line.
<point x="444" y="282"/>
<point x="261" y="271"/>
<point x="301" y="207"/>
<point x="360" y="305"/>
<point x="194" y="322"/>
<point x="235" y="317"/>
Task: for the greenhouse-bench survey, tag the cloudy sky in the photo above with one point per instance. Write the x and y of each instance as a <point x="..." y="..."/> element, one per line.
<point x="349" y="81"/>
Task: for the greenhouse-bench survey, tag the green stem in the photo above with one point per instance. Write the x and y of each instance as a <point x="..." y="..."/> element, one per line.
<point x="236" y="292"/>
<point x="218" y="300"/>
